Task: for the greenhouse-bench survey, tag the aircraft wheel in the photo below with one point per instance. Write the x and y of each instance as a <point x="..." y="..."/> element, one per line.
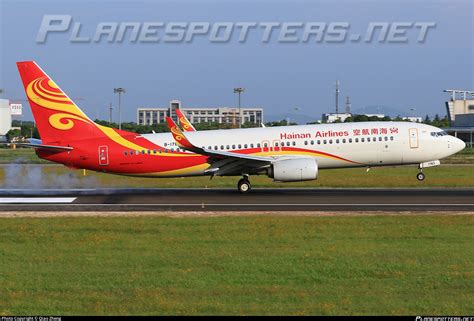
<point x="420" y="176"/>
<point x="244" y="186"/>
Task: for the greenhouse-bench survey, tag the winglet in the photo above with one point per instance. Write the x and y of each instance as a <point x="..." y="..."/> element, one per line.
<point x="184" y="122"/>
<point x="178" y="135"/>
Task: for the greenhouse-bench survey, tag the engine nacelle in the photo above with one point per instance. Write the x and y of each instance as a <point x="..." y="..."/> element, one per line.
<point x="294" y="170"/>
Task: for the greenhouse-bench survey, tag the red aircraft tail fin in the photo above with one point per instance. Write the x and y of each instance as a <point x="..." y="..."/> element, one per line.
<point x="57" y="117"/>
<point x="184" y="122"/>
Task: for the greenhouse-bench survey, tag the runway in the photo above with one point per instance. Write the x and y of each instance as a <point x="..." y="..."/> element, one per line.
<point x="275" y="199"/>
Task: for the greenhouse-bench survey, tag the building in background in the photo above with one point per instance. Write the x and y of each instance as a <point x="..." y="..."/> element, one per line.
<point x="414" y="119"/>
<point x="221" y="115"/>
<point x="333" y="117"/>
<point x="460" y="110"/>
<point x="5" y="118"/>
<point x="16" y="109"/>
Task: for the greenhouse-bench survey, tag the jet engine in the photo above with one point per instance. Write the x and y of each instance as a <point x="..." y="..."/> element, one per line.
<point x="294" y="170"/>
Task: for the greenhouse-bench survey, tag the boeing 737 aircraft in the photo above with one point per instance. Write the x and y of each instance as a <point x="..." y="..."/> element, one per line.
<point x="286" y="154"/>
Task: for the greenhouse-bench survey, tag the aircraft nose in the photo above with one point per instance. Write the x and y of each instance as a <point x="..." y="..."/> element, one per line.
<point x="458" y="144"/>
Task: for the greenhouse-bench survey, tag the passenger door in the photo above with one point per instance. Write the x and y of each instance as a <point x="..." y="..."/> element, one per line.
<point x="413" y="137"/>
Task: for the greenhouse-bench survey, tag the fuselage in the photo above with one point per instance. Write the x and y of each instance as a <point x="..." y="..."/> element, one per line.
<point x="332" y="145"/>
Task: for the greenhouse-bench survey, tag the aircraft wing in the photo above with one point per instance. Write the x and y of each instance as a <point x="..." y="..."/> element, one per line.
<point x="184" y="122"/>
<point x="222" y="162"/>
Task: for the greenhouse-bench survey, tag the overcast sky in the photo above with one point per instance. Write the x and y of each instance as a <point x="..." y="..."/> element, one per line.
<point x="277" y="76"/>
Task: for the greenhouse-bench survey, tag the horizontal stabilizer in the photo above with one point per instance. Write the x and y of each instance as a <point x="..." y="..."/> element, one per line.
<point x="34" y="144"/>
<point x="48" y="147"/>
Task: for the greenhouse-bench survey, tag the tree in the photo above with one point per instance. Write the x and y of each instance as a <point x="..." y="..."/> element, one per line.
<point x="283" y="122"/>
<point x="12" y="134"/>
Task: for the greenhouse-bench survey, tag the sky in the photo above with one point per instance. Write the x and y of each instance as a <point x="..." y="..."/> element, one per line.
<point x="278" y="77"/>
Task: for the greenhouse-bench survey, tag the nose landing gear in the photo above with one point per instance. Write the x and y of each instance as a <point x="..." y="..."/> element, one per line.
<point x="420" y="176"/>
<point x="244" y="185"/>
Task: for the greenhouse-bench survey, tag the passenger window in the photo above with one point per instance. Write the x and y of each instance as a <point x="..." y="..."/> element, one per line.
<point x="386" y="138"/>
<point x="125" y="152"/>
<point x="391" y="137"/>
<point x="287" y="143"/>
<point x="337" y="141"/>
<point x="325" y="142"/>
<point x="251" y="145"/>
<point x="258" y="145"/>
<point x="265" y="145"/>
<point x="357" y="140"/>
<point x="149" y="152"/>
<point x="380" y="139"/>
<point x="312" y="142"/>
<point x="294" y="143"/>
<point x="228" y="147"/>
<point x="245" y="145"/>
<point x="330" y="141"/>
<point x="350" y="140"/>
<point x="240" y="146"/>
<point x="343" y="140"/>
<point x="222" y="147"/>
<point x="319" y="142"/>
<point x="362" y="139"/>
<point x="306" y="142"/>
<point x="368" y="139"/>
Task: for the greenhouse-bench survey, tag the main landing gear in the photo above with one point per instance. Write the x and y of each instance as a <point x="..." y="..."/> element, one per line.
<point x="244" y="185"/>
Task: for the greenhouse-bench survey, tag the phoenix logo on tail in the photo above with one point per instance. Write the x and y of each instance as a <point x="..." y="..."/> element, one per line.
<point x="184" y="122"/>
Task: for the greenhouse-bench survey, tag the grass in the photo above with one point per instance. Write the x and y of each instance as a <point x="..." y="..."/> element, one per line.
<point x="409" y="265"/>
<point x="21" y="156"/>
<point x="58" y="176"/>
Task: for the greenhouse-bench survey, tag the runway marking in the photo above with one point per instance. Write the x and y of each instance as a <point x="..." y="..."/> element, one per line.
<point x="277" y="204"/>
<point x="36" y="200"/>
<point x="246" y="205"/>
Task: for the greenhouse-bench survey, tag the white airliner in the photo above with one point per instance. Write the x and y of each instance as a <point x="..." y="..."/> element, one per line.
<point x="286" y="154"/>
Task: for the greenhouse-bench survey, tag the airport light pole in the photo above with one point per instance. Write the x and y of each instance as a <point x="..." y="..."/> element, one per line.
<point x="119" y="91"/>
<point x="110" y="113"/>
<point x="239" y="90"/>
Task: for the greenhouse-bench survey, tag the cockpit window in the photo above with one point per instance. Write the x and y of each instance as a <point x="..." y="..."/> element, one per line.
<point x="439" y="134"/>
